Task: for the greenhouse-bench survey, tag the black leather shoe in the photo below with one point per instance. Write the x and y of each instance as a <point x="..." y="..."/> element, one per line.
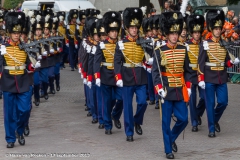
<point x="117" y="123"/>
<point x="87" y="109"/>
<point x="52" y="91"/>
<point x="72" y="69"/>
<point x="157" y="107"/>
<point x="101" y="126"/>
<point x="58" y="88"/>
<point x="199" y="120"/>
<point x="46" y="96"/>
<point x="108" y="131"/>
<point x="130" y="138"/>
<point x="174" y="147"/>
<point x="138" y="129"/>
<point x="21" y="140"/>
<point x="10" y="145"/>
<point x="89" y="114"/>
<point x="94" y="121"/>
<point x="26" y="131"/>
<point x="211" y="134"/>
<point x="170" y="156"/>
<point x="151" y="102"/>
<point x="0" y="96"/>
<point x="217" y="127"/>
<point x="37" y="102"/>
<point x="194" y="129"/>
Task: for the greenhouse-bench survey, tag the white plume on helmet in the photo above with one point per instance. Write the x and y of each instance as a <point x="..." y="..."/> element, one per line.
<point x="38" y="18"/>
<point x="184" y="7"/>
<point x="144" y="9"/>
<point x="26" y="10"/>
<point x="30" y="13"/>
<point x="99" y="16"/>
<point x="61" y="18"/>
<point x="47" y="18"/>
<point x="32" y="20"/>
<point x="55" y="19"/>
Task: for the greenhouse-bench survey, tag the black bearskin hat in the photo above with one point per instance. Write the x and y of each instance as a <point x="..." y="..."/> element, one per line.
<point x="185" y="21"/>
<point x="27" y="24"/>
<point x="81" y="15"/>
<point x="100" y="27"/>
<point x="91" y="12"/>
<point x="195" y="23"/>
<point x="132" y="17"/>
<point x="90" y="25"/>
<point x="48" y="21"/>
<point x="146" y="25"/>
<point x="112" y="21"/>
<point x="172" y="22"/>
<point x="61" y="16"/>
<point x="215" y="18"/>
<point x="48" y="11"/>
<point x="38" y="24"/>
<point x="1" y="16"/>
<point x="73" y="13"/>
<point x="55" y="23"/>
<point x="154" y="22"/>
<point x="37" y="12"/>
<point x="14" y="22"/>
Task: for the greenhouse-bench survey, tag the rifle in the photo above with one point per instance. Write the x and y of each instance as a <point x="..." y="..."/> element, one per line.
<point x="229" y="46"/>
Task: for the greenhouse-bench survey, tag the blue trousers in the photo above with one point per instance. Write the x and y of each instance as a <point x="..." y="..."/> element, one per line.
<point x="214" y="113"/>
<point x="150" y="87"/>
<point x="72" y="55"/>
<point x="127" y="95"/>
<point x="30" y="104"/>
<point x="99" y="104"/>
<point x="180" y="110"/>
<point x="93" y="101"/>
<point x="57" y="68"/>
<point x="36" y="81"/>
<point x="86" y="94"/>
<point x="196" y="110"/>
<point x="16" y="113"/>
<point x="65" y="54"/>
<point x="110" y="94"/>
<point x="43" y="75"/>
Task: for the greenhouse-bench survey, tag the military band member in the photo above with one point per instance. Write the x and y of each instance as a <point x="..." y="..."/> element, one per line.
<point x="183" y="36"/>
<point x="82" y="33"/>
<point x="171" y="76"/>
<point x="195" y="25"/>
<point x="104" y="71"/>
<point x="72" y="41"/>
<point x="14" y="67"/>
<point x="213" y="62"/>
<point x="130" y="74"/>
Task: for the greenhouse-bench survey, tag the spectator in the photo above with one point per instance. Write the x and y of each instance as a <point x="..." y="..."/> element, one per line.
<point x="178" y="5"/>
<point x="229" y="16"/>
<point x="167" y="7"/>
<point x="172" y="6"/>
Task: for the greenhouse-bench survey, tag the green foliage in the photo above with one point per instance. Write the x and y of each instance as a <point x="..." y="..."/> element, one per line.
<point x="230" y="2"/>
<point x="9" y="4"/>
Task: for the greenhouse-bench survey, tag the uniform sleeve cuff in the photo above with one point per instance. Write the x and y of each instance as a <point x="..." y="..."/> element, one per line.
<point x="80" y="65"/>
<point x="118" y="77"/>
<point x="84" y="74"/>
<point x="97" y="75"/>
<point x="157" y="87"/>
<point x="76" y="42"/>
<point x="188" y="84"/>
<point x="30" y="68"/>
<point x="229" y="64"/>
<point x="67" y="41"/>
<point x="89" y="78"/>
<point x="200" y="77"/>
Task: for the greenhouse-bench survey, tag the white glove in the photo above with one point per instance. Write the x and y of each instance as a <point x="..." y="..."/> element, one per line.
<point x="149" y="70"/>
<point x="144" y="67"/>
<point x="98" y="82"/>
<point x="44" y="53"/>
<point x="89" y="49"/>
<point x="150" y="61"/>
<point x="84" y="81"/>
<point x="81" y="76"/>
<point x="58" y="49"/>
<point x="51" y="50"/>
<point x="162" y="93"/>
<point x="77" y="27"/>
<point x="37" y="65"/>
<point x="89" y="84"/>
<point x="236" y="61"/>
<point x="94" y="49"/>
<point x="201" y="84"/>
<point x="76" y="46"/>
<point x="67" y="44"/>
<point x="68" y="27"/>
<point x="39" y="57"/>
<point x="119" y="83"/>
<point x="79" y="70"/>
<point x="3" y="49"/>
<point x="189" y="92"/>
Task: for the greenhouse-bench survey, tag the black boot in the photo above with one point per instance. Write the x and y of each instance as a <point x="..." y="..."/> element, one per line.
<point x="51" y="85"/>
<point x="36" y="95"/>
<point x="26" y="131"/>
<point x="45" y="86"/>
<point x="57" y="81"/>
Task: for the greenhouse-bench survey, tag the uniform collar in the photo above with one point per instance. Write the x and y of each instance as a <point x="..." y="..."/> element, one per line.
<point x="215" y="39"/>
<point x="47" y="36"/>
<point x="181" y="39"/>
<point x="170" y="46"/>
<point x="92" y="41"/>
<point x="37" y="37"/>
<point x="131" y="38"/>
<point x="194" y="41"/>
<point x="111" y="40"/>
<point x="13" y="43"/>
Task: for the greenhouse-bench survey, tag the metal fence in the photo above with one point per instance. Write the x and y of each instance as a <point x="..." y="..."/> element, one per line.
<point x="236" y="68"/>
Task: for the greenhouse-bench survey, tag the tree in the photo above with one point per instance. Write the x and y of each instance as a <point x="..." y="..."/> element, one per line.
<point x="230" y="2"/>
<point x="10" y="4"/>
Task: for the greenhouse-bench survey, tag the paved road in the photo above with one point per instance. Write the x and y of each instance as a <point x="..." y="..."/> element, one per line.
<point x="60" y="125"/>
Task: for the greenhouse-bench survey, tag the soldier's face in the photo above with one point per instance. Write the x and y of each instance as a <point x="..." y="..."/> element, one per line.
<point x="184" y="33"/>
<point x="1" y="23"/>
<point x="83" y="21"/>
<point x="23" y="36"/>
<point x="103" y="37"/>
<point x="38" y="32"/>
<point x="149" y="34"/>
<point x="15" y="36"/>
<point x="173" y="38"/>
<point x="46" y="31"/>
<point x="155" y="32"/>
<point x="133" y="31"/>
<point x="113" y="34"/>
<point x="217" y="32"/>
<point x="96" y="38"/>
<point x="196" y="36"/>
<point x="74" y="20"/>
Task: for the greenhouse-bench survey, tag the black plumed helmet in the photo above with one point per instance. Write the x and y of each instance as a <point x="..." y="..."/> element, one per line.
<point x="90" y="25"/>
<point x="215" y="18"/>
<point x="112" y="21"/>
<point x="100" y="27"/>
<point x="172" y="22"/>
<point x="195" y="23"/>
<point x="81" y="15"/>
<point x="61" y="16"/>
<point x="14" y="22"/>
<point x="146" y="25"/>
<point x="132" y="17"/>
<point x="154" y="22"/>
<point x="73" y="13"/>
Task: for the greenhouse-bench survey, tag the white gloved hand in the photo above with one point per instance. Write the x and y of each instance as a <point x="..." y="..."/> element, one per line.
<point x="149" y="70"/>
<point x="52" y="50"/>
<point x="119" y="83"/>
<point x="84" y="81"/>
<point x="81" y="76"/>
<point x="68" y="27"/>
<point x="89" y="84"/>
<point x="58" y="49"/>
<point x="76" y="46"/>
<point x="189" y="92"/>
<point x="89" y="48"/>
<point x="79" y="70"/>
<point x="3" y="49"/>
<point x="67" y="44"/>
<point x="44" y="53"/>
<point x="39" y="57"/>
<point x="98" y="82"/>
<point x="236" y="61"/>
<point x="201" y="84"/>
<point x="37" y="65"/>
<point x="77" y="27"/>
<point x="162" y="93"/>
<point x="150" y="61"/>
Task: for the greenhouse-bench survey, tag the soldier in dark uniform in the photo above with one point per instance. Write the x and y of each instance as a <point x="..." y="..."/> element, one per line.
<point x="14" y="67"/>
<point x="213" y="61"/>
<point x="71" y="34"/>
<point x="195" y="25"/>
<point x="171" y="76"/>
<point x="183" y="36"/>
<point x="104" y="71"/>
<point x="130" y="74"/>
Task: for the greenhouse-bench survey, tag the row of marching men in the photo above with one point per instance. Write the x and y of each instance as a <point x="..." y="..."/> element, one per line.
<point x="30" y="63"/>
<point x="113" y="70"/>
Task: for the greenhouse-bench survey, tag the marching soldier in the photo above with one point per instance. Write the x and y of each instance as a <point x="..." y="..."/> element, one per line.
<point x="104" y="71"/>
<point x="14" y="67"/>
<point x="72" y="41"/>
<point x="183" y="36"/>
<point x="213" y="62"/>
<point x="81" y="32"/>
<point x="195" y="27"/>
<point x="171" y="76"/>
<point x="130" y="74"/>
